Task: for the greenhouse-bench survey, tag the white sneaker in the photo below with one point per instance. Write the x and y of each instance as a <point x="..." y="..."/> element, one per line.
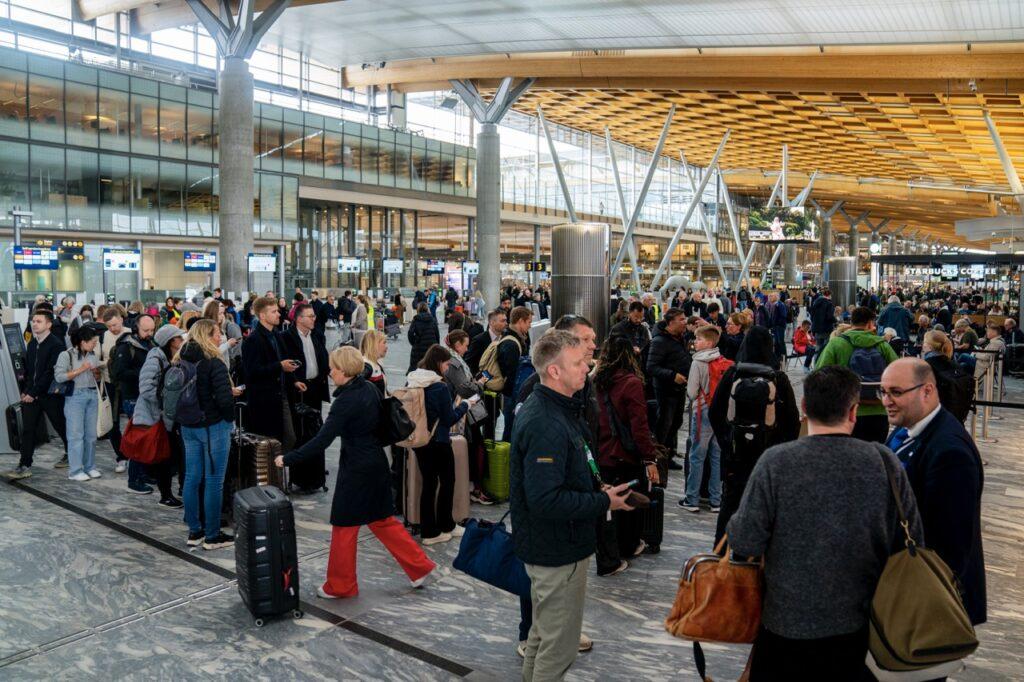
<point x="420" y="581"/>
<point x="324" y="595"/>
<point x="458" y="531"/>
<point x="79" y="477"/>
<point x="443" y="537"/>
<point x="94" y="473"/>
<point x="121" y="467"/>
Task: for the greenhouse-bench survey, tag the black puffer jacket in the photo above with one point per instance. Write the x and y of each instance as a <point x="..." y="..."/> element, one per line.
<point x="212" y="385"/>
<point x="667" y="357"/>
<point x="423" y="333"/>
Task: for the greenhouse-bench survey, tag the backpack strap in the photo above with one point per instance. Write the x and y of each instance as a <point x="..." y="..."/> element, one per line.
<point x="619" y="429"/>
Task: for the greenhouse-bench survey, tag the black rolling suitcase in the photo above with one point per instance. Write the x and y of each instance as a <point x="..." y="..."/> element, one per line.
<point x="266" y="558"/>
<point x="309" y="476"/>
<point x="652" y="520"/>
<point x="14" y="421"/>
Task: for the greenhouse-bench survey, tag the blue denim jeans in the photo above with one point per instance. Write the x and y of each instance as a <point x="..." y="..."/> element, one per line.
<point x="80" y="410"/>
<point x="136" y="470"/>
<point x="703" y="447"/>
<point x="206" y="458"/>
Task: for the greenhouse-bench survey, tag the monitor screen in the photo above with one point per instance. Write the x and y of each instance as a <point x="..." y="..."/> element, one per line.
<point x="782" y="225"/>
<point x="262" y="262"/>
<point x="36" y="258"/>
<point x="470" y="267"/>
<point x="435" y="267"/>
<point x="121" y="259"/>
<point x="200" y="261"/>
<point x="14" y="338"/>
<point x="349" y="265"/>
<point x="393" y="266"/>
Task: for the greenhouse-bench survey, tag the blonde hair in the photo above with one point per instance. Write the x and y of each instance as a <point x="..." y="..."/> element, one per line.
<point x="202" y="334"/>
<point x="185" y="317"/>
<point x="938" y="342"/>
<point x="136" y="307"/>
<point x="368" y="346"/>
<point x="348" y="360"/>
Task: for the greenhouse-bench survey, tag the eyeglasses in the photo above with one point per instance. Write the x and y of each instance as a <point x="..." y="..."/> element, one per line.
<point x="895" y="393"/>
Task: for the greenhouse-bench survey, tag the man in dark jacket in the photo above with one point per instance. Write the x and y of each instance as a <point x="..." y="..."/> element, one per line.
<point x="268" y="373"/>
<point x="422" y="334"/>
<point x="346" y="306"/>
<point x="555" y="504"/>
<point x="778" y="317"/>
<point x="634" y="329"/>
<point x="306" y="344"/>
<point x="823" y="319"/>
<point x="497" y="322"/>
<point x="668" y="366"/>
<point x="945" y="471"/>
<point x="36" y="399"/>
<point x="896" y="316"/>
<point x="509" y="356"/>
<point x="319" y="311"/>
<point x="126" y="361"/>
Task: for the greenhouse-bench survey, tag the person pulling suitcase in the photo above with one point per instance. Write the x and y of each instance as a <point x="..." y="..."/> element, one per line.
<point x="362" y="495"/>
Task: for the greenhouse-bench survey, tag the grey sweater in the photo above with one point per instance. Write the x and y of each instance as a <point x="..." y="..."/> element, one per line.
<point x="822" y="513"/>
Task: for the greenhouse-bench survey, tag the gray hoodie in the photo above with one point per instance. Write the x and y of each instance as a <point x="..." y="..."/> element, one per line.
<point x="147" y="407"/>
<point x="699" y="372"/>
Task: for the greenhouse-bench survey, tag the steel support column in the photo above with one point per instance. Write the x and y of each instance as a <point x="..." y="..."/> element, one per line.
<point x="1007" y="162"/>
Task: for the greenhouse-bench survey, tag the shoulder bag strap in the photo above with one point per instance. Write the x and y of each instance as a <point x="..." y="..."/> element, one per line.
<point x="909" y="541"/>
<point x="619" y="429"/>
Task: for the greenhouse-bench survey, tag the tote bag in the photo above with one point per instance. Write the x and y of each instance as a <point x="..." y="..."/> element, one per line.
<point x="486" y="554"/>
<point x="104" y="415"/>
<point x="146" y="444"/>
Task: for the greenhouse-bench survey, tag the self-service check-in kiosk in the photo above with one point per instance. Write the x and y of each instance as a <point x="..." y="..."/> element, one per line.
<point x="12" y="377"/>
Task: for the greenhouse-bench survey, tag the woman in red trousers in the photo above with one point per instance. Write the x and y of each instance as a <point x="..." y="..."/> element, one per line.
<point x="362" y="494"/>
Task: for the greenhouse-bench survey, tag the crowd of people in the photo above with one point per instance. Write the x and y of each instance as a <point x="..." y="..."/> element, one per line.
<point x="589" y="427"/>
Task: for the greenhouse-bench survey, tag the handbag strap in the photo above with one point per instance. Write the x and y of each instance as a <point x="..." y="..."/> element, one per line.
<point x="909" y="541"/>
<point x="621" y="432"/>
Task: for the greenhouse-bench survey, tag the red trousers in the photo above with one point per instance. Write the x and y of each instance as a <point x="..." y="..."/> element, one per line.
<point x="341" y="565"/>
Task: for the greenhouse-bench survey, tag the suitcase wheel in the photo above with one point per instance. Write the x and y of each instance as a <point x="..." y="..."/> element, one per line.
<point x="297" y="614"/>
<point x="259" y="622"/>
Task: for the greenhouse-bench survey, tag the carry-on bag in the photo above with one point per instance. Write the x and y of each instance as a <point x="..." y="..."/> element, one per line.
<point x="310" y="475"/>
<point x="414" y="483"/>
<point x="486" y="553"/>
<point x="266" y="558"/>
<point x="652" y="519"/>
<point x="496" y="478"/>
<point x="254" y="457"/>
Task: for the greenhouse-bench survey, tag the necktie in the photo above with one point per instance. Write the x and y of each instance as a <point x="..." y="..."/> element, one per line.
<point x="898" y="438"/>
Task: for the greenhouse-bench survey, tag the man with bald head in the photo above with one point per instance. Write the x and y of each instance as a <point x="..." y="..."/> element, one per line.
<point x="945" y="472"/>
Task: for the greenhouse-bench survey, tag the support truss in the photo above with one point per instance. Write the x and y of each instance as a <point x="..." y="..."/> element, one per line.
<point x="237" y="36"/>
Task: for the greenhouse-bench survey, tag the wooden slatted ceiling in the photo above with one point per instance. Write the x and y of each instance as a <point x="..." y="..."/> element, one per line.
<point x="909" y="137"/>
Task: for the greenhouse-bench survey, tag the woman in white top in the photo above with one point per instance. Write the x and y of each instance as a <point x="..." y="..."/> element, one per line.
<point x="80" y="368"/>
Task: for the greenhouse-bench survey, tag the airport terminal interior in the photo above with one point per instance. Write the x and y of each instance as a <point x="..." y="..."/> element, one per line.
<point x="152" y="153"/>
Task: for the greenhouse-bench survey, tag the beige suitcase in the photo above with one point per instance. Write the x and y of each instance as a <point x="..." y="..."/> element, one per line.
<point x="414" y="483"/>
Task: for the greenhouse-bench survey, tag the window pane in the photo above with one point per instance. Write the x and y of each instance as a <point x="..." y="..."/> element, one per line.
<point x="47" y="186"/>
<point x="172" y="129"/>
<point x="386" y="162"/>
<point x="461" y="169"/>
<point x="115" y="193"/>
<point x="290" y="208"/>
<point x="200" y="133"/>
<point x="352" y="158"/>
<point x="333" y="158"/>
<point x="369" y="161"/>
<point x="13" y="102"/>
<point x="270" y="144"/>
<point x="292" y="148"/>
<point x="402" y="177"/>
<point x="201" y="202"/>
<point x="13" y="179"/>
<point x="145" y="135"/>
<point x="419" y="168"/>
<point x="172" y="198"/>
<point x="313" y="150"/>
<point x="113" y="119"/>
<point x="46" y="108"/>
<point x="145" y="200"/>
<point x="270" y="206"/>
<point x="83" y="186"/>
<point x="80" y="103"/>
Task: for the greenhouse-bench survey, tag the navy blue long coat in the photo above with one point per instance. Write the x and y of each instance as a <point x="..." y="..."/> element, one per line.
<point x="362" y="493"/>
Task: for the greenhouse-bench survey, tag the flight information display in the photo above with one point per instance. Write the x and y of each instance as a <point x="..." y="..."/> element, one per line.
<point x="200" y="261"/>
<point x="262" y="262"/>
<point x="121" y="259"/>
<point x="36" y="258"/>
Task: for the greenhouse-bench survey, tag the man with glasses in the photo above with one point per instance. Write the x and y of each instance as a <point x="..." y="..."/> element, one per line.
<point x="945" y="472"/>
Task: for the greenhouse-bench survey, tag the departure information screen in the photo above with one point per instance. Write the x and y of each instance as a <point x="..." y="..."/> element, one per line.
<point x="200" y="261"/>
<point x="36" y="258"/>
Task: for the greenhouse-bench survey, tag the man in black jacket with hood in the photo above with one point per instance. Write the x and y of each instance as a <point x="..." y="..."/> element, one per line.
<point x="634" y="329"/>
<point x="668" y="366"/>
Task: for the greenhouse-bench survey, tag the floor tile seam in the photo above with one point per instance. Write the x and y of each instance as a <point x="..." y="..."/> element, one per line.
<point x="323" y="614"/>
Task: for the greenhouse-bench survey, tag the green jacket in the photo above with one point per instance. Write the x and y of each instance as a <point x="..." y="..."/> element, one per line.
<point x="839" y="352"/>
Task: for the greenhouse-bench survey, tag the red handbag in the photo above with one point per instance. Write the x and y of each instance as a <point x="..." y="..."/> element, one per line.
<point x="146" y="444"/>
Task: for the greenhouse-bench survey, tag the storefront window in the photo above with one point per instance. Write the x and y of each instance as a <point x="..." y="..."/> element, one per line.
<point x="46" y="186"/>
<point x="113" y="120"/>
<point x="83" y="190"/>
<point x="13" y="103"/>
<point x="46" y="108"/>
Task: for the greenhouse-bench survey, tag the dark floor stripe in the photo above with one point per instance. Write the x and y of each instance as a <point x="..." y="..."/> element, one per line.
<point x="388" y="641"/>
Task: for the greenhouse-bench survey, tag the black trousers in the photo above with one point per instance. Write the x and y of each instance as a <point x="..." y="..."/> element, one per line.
<point x="671" y="405"/>
<point x="872" y="428"/>
<point x="489" y="425"/>
<point x="52" y="406"/>
<point x="733" y="486"/>
<point x="437" y="466"/>
<point x="837" y="659"/>
<point x="115" y="431"/>
<point x="618" y="538"/>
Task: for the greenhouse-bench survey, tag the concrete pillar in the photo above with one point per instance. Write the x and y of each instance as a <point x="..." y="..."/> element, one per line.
<point x="488" y="212"/>
<point x="236" y="174"/>
<point x="855" y="249"/>
<point x="789" y="265"/>
<point x="827" y="247"/>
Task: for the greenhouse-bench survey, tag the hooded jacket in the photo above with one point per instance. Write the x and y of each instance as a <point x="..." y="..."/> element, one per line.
<point x="840" y="350"/>
<point x="667" y="357"/>
<point x="128" y="357"/>
<point x="700" y="374"/>
<point x="213" y="386"/>
<point x="438" y="400"/>
<point x="896" y="316"/>
<point x="148" y="407"/>
<point x="422" y="334"/>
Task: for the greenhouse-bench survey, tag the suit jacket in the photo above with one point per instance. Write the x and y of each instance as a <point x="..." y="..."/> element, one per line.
<point x="40" y="359"/>
<point x="317" y="388"/>
<point x="945" y="471"/>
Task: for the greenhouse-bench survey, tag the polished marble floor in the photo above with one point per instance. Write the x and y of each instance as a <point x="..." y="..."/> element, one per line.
<point x="98" y="585"/>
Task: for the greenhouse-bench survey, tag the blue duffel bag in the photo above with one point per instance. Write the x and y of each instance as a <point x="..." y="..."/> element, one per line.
<point x="486" y="554"/>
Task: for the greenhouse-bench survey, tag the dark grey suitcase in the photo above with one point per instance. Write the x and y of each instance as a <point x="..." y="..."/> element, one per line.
<point x="266" y="557"/>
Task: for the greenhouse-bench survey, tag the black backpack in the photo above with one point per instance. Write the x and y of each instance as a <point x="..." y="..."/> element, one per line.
<point x="956" y="390"/>
<point x="751" y="415"/>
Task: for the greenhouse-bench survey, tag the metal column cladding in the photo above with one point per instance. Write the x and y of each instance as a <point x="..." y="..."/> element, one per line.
<point x="579" y="273"/>
<point x="842" y="280"/>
